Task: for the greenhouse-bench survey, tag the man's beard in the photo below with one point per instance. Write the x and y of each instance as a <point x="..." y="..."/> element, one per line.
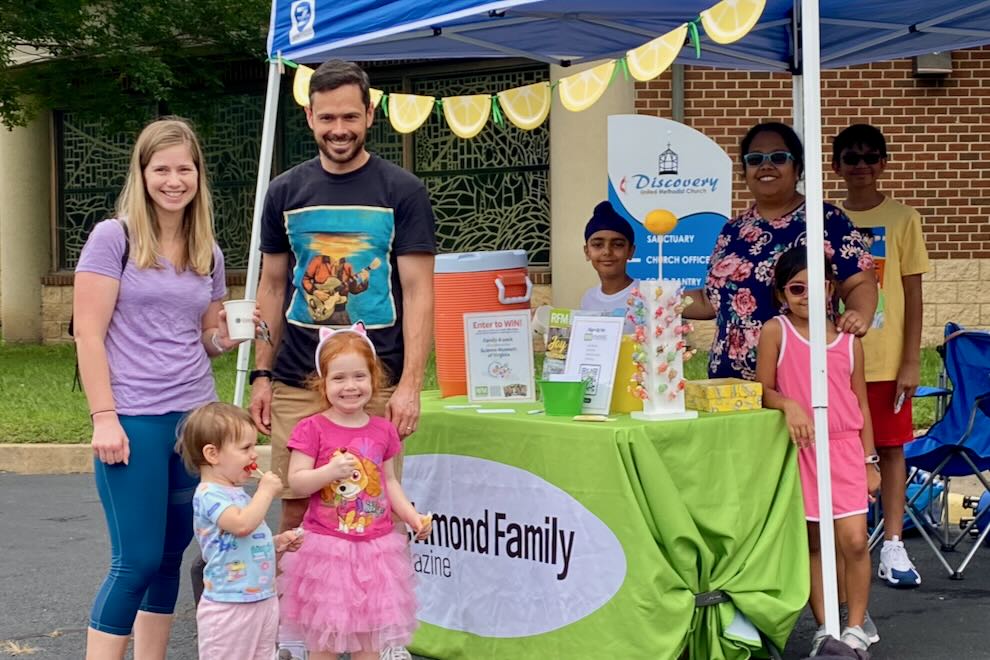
<point x="356" y="145"/>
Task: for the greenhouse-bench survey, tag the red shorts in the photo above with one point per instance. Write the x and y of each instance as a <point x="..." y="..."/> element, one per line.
<point x="889" y="430"/>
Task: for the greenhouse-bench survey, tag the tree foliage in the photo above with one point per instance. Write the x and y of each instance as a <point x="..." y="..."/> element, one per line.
<point x="109" y="57"/>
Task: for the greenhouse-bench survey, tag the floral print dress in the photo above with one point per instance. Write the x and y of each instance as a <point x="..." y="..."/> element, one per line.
<point x="740" y="278"/>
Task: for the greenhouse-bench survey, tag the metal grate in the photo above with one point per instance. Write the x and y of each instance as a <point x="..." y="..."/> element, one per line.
<point x="490" y="192"/>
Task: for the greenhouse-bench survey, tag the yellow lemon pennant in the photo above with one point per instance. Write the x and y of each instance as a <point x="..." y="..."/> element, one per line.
<point x="730" y="20"/>
<point x="579" y="91"/>
<point x="526" y="107"/>
<point x="407" y="112"/>
<point x="652" y="58"/>
<point x="467" y="115"/>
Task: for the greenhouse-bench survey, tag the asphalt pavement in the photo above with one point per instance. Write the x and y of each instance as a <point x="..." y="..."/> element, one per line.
<point x="54" y="551"/>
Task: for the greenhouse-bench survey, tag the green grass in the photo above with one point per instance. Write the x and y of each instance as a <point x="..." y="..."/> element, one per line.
<point x="38" y="404"/>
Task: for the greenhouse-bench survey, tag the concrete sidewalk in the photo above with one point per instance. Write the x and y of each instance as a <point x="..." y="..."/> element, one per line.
<point x="68" y="459"/>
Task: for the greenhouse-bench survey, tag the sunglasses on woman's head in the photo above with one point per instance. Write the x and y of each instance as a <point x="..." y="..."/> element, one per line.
<point x="756" y="159"/>
<point x="852" y="158"/>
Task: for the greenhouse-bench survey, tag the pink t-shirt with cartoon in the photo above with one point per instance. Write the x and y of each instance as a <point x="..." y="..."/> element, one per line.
<point x="355" y="508"/>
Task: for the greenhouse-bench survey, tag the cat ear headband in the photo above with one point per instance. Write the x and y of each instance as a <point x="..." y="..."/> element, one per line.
<point x="326" y="333"/>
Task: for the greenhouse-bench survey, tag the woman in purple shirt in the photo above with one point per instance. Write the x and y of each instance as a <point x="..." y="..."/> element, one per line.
<point x="147" y="317"/>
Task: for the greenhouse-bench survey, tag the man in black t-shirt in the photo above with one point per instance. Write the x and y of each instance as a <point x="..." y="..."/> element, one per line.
<point x="346" y="237"/>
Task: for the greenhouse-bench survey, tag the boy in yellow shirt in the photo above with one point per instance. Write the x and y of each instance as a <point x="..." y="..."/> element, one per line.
<point x="893" y="344"/>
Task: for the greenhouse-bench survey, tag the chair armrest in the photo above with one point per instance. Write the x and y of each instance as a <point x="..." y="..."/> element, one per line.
<point x="924" y="391"/>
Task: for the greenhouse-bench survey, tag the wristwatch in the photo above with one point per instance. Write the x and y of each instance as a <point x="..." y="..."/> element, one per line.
<point x="260" y="373"/>
<point x="872" y="458"/>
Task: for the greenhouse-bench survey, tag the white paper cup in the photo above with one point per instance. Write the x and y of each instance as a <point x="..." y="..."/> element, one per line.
<point x="240" y="319"/>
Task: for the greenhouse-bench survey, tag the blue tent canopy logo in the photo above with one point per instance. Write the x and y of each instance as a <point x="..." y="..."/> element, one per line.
<point x="303" y="13"/>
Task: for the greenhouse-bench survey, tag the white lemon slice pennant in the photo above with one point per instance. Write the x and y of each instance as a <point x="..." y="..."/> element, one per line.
<point x="526" y="107"/>
<point x="407" y="112"/>
<point x="467" y="115"/>
<point x="376" y="96"/>
<point x="300" y="85"/>
<point x="652" y="58"/>
<point x="580" y="91"/>
<point x="729" y="20"/>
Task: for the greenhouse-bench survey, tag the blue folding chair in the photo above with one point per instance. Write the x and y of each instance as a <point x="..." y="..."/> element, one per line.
<point x="957" y="445"/>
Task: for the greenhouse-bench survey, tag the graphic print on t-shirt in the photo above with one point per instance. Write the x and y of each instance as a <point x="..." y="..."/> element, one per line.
<point x="356" y="498"/>
<point x="342" y="273"/>
<point x="876" y="237"/>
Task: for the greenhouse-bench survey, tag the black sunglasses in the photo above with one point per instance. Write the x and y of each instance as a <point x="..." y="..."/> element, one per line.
<point x="756" y="159"/>
<point x="852" y="158"/>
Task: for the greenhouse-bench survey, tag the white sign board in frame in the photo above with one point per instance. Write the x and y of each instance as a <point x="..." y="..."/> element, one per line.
<point x="498" y="349"/>
<point x="592" y="355"/>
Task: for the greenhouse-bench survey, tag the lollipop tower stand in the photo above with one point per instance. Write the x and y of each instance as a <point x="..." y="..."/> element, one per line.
<point x="658" y="380"/>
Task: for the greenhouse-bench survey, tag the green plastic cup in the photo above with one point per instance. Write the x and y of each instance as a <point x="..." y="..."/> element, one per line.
<point x="562" y="398"/>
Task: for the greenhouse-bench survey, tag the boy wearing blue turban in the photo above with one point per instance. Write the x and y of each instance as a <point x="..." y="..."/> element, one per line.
<point x="609" y="245"/>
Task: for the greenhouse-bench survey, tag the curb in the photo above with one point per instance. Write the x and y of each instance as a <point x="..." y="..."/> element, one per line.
<point x="69" y="459"/>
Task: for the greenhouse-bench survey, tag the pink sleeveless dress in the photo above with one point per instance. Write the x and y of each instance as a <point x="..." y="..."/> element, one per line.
<point x="845" y="421"/>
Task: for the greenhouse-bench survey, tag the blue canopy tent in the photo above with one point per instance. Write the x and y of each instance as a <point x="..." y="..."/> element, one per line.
<point x="797" y="37"/>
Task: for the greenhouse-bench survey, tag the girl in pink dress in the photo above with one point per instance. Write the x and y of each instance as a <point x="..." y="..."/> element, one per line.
<point x="783" y="367"/>
<point x="351" y="590"/>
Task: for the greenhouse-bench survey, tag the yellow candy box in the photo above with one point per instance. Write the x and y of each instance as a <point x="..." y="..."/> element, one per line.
<point x="723" y="395"/>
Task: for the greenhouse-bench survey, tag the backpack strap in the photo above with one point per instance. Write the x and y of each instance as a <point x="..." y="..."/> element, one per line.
<point x="127" y="247"/>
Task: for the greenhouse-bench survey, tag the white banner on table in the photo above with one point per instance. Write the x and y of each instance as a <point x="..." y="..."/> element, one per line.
<point x="592" y="353"/>
<point x="511" y="555"/>
<point x="499" y="351"/>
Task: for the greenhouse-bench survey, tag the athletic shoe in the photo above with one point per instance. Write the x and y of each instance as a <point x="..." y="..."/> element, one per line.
<point x="855" y="638"/>
<point x="395" y="653"/>
<point x="868" y="626"/>
<point x="870" y="629"/>
<point x="895" y="567"/>
<point x="816" y="643"/>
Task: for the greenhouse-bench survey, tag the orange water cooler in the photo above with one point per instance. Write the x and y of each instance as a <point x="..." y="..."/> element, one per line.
<point x="469" y="282"/>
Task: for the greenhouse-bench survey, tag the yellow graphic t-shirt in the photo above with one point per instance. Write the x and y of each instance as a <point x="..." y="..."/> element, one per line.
<point x="898" y="250"/>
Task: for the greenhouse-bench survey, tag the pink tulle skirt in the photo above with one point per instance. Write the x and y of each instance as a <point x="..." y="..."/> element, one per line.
<point x="348" y="596"/>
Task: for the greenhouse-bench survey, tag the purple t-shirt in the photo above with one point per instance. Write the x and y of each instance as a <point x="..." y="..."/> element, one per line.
<point x="154" y="341"/>
<point x="356" y="508"/>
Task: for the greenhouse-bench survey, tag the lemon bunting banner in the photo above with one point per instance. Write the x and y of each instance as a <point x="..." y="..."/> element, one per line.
<point x="527" y="107"/>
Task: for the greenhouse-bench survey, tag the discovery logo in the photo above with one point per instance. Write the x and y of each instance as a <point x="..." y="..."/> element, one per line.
<point x="666" y="180"/>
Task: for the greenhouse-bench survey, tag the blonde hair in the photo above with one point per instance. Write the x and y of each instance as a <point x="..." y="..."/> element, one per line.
<point x="136" y="208"/>
<point x="214" y="424"/>
<point x="338" y="344"/>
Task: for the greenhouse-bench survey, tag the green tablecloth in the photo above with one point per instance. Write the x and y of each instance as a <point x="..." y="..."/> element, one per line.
<point x="695" y="505"/>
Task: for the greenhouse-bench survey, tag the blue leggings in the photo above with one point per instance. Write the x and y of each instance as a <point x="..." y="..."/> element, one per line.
<point x="148" y="506"/>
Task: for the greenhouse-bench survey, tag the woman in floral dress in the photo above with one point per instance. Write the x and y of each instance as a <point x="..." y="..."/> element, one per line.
<point x="738" y="291"/>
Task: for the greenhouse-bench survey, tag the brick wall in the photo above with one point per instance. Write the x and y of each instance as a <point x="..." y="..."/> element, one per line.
<point x="938" y="135"/>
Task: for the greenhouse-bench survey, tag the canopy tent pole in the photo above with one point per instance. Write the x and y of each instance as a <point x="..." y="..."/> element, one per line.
<point x="811" y="91"/>
<point x="261" y="188"/>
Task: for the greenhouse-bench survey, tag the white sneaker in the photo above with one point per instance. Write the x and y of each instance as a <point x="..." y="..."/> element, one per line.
<point x="855" y="638"/>
<point x="868" y="626"/>
<point x="870" y="629"/>
<point x="895" y="566"/>
<point x="395" y="653"/>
